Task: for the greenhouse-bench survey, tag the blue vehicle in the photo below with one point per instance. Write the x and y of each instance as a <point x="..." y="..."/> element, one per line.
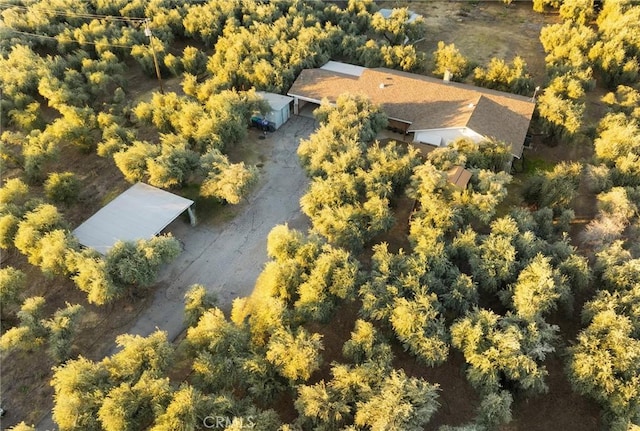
<point x="263" y="124"/>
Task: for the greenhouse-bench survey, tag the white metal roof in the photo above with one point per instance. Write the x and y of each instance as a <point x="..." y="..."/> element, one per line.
<point x="387" y="14"/>
<point x="140" y="212"/>
<point x="276" y="101"/>
<point x="347" y="69"/>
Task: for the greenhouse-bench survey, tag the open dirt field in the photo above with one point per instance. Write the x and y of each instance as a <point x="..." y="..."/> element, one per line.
<point x="482" y="30"/>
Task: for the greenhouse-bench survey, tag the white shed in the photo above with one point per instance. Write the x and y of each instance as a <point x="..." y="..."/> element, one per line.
<point x="280" y="107"/>
<point x="140" y="212"/>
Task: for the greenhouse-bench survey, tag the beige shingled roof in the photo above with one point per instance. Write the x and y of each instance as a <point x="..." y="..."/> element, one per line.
<point x="425" y="102"/>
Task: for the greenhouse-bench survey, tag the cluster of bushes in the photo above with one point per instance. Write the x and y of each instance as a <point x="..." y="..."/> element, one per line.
<point x="576" y="51"/>
<point x="604" y="360"/>
<point x="37" y="230"/>
<point x="429" y="299"/>
<point x="497" y="75"/>
<point x="352" y="182"/>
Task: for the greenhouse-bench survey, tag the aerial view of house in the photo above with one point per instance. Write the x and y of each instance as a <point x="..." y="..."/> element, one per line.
<point x="411" y="215"/>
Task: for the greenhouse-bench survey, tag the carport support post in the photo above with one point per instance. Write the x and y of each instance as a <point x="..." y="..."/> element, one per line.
<point x="296" y="106"/>
<point x="192" y="215"/>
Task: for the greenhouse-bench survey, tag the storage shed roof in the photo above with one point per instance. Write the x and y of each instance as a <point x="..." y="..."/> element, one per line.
<point x="276" y="101"/>
<point x="140" y="212"/>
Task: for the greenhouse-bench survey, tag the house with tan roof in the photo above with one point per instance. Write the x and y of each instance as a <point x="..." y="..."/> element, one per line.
<point x="432" y="111"/>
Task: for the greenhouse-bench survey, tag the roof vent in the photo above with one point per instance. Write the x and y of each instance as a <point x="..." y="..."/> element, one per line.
<point x="381" y="85"/>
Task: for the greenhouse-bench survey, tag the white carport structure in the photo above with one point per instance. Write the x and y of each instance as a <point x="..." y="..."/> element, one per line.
<point x="141" y="212"/>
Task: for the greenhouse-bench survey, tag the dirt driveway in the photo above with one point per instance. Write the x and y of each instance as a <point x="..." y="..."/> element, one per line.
<point x="227" y="256"/>
<point x="226" y="253"/>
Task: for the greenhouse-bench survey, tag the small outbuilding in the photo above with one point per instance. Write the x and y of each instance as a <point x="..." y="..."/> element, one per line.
<point x="459" y="176"/>
<point x="140" y="212"/>
<point x="280" y="108"/>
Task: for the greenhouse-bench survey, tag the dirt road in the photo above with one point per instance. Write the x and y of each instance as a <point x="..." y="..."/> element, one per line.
<point x="227" y="256"/>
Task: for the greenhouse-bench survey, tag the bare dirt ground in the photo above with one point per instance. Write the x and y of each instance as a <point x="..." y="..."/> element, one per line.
<point x="482" y="30"/>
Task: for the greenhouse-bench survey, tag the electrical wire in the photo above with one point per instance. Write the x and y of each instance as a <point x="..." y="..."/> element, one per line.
<point x="42" y="36"/>
<point x="70" y="14"/>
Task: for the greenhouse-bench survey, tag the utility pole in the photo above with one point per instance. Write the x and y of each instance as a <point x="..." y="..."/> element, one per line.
<point x="147" y="32"/>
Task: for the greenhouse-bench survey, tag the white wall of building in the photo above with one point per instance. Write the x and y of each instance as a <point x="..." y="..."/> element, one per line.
<point x="279" y="116"/>
<point x="280" y="108"/>
<point x="441" y="137"/>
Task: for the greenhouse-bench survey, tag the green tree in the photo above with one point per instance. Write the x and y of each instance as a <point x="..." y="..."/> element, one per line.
<point x="604" y="365"/>
<point x="366" y="344"/>
<point x="319" y="404"/>
<point x="501" y="349"/>
<point x="401" y="403"/>
<point x="62" y="187"/>
<point x="495" y="409"/>
<point x="62" y="328"/>
<point x="174" y="165"/>
<point x="561" y="116"/>
<point x="398" y="28"/>
<point x="38" y="150"/>
<point x="222" y="349"/>
<point x="502" y="76"/>
<point x="392" y="275"/>
<point x="333" y="277"/>
<point x="229" y="182"/>
<point x="538" y="289"/>
<point x="615" y="53"/>
<point x="132" y="161"/>
<point x="31" y="333"/>
<point x="186" y="410"/>
<point x="197" y="301"/>
<point x="79" y="389"/>
<point x="12" y="283"/>
<point x="625" y="99"/>
<point x="578" y="11"/>
<point x="194" y="61"/>
<point x="138" y="355"/>
<point x="448" y="58"/>
<point x="39" y="234"/>
<point x="540" y="5"/>
<point x="88" y="270"/>
<point x="495" y="264"/>
<point x="556" y="188"/>
<point x="567" y="45"/>
<point x="14" y="194"/>
<point x="352" y="116"/>
<point x="420" y="327"/>
<point x="137" y="263"/>
<point x="133" y="406"/>
<point x="296" y="355"/>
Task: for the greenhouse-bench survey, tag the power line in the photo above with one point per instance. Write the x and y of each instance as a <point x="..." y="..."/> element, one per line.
<point x="42" y="36"/>
<point x="70" y="14"/>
